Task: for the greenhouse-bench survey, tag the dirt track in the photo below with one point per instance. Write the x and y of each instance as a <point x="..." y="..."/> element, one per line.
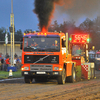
<point x="18" y="90"/>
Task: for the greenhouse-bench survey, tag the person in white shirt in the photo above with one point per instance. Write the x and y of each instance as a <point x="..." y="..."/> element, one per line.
<point x="15" y="60"/>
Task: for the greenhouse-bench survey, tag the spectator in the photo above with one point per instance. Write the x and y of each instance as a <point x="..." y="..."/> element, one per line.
<point x="7" y="55"/>
<point x="7" y="63"/>
<point x="19" y="59"/>
<point x="2" y="63"/>
<point x="0" y="55"/>
<point x="78" y="51"/>
<point x="15" y="61"/>
<point x="55" y="43"/>
<point x="19" y="62"/>
<point x="15" y="55"/>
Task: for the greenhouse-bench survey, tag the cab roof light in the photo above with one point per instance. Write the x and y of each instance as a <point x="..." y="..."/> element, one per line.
<point x="38" y="34"/>
<point x="45" y="34"/>
<point x="59" y="34"/>
<point x="41" y="33"/>
<point x="24" y="34"/>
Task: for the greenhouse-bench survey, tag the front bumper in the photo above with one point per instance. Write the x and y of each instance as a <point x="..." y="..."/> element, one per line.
<point x="45" y="74"/>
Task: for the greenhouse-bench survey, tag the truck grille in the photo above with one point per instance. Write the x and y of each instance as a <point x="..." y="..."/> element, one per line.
<point x="54" y="59"/>
<point x="40" y="67"/>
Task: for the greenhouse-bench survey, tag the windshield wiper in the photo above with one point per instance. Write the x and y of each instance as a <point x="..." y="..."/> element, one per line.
<point x="52" y="49"/>
<point x="29" y="48"/>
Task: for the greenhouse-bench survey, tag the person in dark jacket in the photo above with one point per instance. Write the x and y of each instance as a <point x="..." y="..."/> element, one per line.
<point x="15" y="56"/>
<point x="7" y="55"/>
<point x="2" y="62"/>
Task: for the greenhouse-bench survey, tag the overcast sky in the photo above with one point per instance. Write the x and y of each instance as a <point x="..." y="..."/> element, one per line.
<point x="24" y="18"/>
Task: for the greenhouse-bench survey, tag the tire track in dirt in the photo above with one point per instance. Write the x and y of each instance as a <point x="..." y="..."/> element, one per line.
<point x="18" y="90"/>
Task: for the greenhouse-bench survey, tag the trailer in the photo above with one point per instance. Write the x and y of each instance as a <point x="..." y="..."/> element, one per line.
<point x="78" y="47"/>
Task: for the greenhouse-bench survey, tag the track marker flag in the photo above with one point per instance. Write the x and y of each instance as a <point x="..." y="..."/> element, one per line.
<point x="6" y="38"/>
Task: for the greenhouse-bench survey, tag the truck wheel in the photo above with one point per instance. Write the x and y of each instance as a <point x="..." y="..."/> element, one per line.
<point x="28" y="79"/>
<point x="98" y="67"/>
<point x="73" y="77"/>
<point x="93" y="73"/>
<point x="95" y="66"/>
<point x="62" y="78"/>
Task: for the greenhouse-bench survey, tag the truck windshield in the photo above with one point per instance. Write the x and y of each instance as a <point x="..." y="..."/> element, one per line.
<point x="42" y="44"/>
<point x="78" y="50"/>
<point x="97" y="55"/>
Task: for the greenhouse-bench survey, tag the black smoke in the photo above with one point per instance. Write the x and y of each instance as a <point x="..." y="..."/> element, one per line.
<point x="44" y="10"/>
<point x="78" y="9"/>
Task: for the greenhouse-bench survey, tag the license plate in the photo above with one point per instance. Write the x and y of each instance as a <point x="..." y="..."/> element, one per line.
<point x="41" y="72"/>
<point x="25" y="72"/>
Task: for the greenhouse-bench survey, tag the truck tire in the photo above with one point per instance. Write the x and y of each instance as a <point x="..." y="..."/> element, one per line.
<point x="98" y="67"/>
<point x="93" y="73"/>
<point x="28" y="79"/>
<point x="73" y="77"/>
<point x="62" y="78"/>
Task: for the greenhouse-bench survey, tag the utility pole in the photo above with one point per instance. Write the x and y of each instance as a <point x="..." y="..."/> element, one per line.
<point x="12" y="33"/>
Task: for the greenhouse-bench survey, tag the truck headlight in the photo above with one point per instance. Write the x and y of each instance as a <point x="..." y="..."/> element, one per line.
<point x="26" y="68"/>
<point x="56" y="68"/>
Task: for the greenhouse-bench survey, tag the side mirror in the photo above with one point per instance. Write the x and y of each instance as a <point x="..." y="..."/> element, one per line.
<point x="21" y="45"/>
<point x="63" y="43"/>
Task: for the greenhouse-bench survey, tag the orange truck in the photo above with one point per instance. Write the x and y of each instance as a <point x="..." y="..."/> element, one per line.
<point x="45" y="55"/>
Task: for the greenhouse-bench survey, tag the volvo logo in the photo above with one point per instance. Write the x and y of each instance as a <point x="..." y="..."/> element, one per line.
<point x="41" y="59"/>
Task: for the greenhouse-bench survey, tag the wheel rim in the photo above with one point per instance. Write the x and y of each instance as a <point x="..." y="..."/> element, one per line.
<point x="63" y="76"/>
<point x="74" y="75"/>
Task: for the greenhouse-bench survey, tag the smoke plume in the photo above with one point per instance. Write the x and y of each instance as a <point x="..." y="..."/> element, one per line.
<point x="44" y="10"/>
<point x="77" y="9"/>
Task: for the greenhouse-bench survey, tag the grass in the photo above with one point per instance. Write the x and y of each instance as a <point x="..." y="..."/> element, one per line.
<point x="5" y="75"/>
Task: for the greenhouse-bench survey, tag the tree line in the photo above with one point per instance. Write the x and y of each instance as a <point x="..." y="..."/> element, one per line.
<point x="92" y="27"/>
<point x="18" y="34"/>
